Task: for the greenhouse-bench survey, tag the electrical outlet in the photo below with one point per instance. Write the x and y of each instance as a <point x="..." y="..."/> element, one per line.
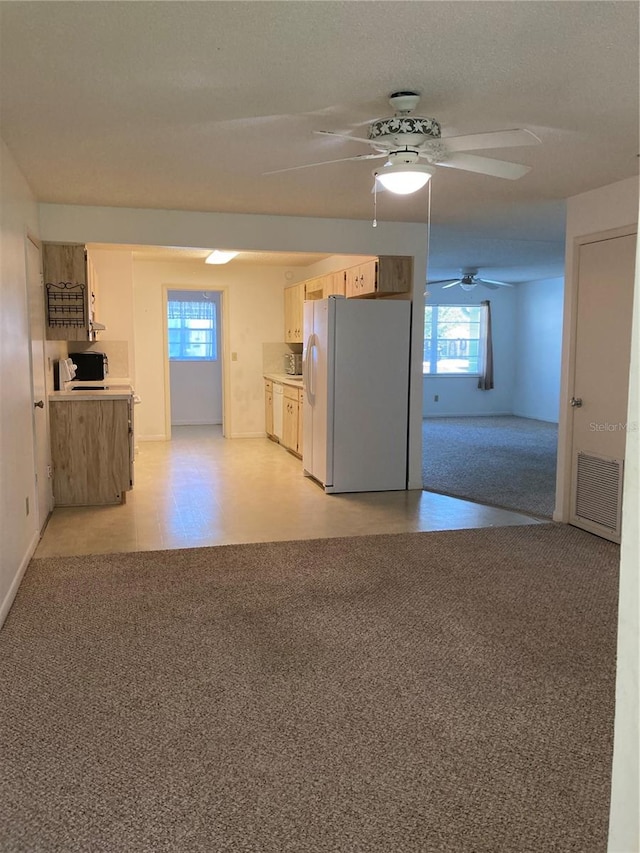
<point x="234" y="356"/>
<point x="436" y="397"/>
<point x="26" y="505"/>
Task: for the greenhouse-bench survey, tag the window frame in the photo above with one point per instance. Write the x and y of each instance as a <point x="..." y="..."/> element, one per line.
<point x="184" y="332"/>
<point x="435" y="337"/>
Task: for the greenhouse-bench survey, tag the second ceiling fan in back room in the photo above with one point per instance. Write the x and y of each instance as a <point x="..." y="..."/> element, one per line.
<point x="469" y="281"/>
<point x="404" y="140"/>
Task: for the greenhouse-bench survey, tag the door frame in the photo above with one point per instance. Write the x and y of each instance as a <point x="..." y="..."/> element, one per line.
<point x="567" y="384"/>
<point x="41" y="521"/>
<point x="223" y="345"/>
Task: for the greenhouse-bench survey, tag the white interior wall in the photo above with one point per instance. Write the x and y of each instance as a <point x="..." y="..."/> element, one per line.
<point x="538" y="349"/>
<point x="18" y="531"/>
<point x="460" y="395"/>
<point x="253" y="312"/>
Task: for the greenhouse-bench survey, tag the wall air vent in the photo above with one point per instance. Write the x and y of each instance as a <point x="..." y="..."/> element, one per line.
<point x="598" y="491"/>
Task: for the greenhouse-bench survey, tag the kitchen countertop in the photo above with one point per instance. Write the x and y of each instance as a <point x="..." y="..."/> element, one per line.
<point x="112" y="391"/>
<point x="285" y="379"/>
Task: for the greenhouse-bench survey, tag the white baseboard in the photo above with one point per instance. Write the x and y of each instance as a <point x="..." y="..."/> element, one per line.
<point x="5" y="607"/>
<point x="142" y="438"/>
<point x="248" y="435"/>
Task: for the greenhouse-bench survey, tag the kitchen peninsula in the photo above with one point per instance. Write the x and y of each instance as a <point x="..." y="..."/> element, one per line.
<point x="92" y="443"/>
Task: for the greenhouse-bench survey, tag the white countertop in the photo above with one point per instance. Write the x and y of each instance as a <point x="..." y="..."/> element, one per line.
<point x="112" y="390"/>
<point x="285" y="379"/>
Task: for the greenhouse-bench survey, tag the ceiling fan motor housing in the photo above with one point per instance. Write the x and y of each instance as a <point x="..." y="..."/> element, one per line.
<point x="410" y="131"/>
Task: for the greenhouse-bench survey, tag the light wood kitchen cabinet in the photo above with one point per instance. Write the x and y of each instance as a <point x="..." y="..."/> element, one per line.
<point x="300" y="424"/>
<point x="293" y="313"/>
<point x="268" y="407"/>
<point x="91" y="450"/>
<point x="314" y="288"/>
<point x="291" y="434"/>
<point x="334" y="284"/>
<point x="70" y="289"/>
<point x="387" y="274"/>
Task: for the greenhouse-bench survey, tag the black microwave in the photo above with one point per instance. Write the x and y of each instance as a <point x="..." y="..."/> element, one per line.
<point x="90" y="366"/>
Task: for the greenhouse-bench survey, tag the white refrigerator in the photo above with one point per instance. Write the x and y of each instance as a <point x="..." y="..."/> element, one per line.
<point x="355" y="368"/>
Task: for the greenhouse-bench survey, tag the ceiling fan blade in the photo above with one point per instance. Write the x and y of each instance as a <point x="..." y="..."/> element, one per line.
<point x="490" y="281"/>
<point x="451" y="283"/>
<point x="443" y="281"/>
<point x="327" y="163"/>
<point x="493" y="139"/>
<point x="344" y="136"/>
<point x="485" y="166"/>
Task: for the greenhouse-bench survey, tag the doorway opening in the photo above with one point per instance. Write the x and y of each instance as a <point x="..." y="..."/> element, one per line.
<point x="194" y="352"/>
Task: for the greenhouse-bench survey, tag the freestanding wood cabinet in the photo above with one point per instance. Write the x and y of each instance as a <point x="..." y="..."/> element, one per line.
<point x="91" y="450"/>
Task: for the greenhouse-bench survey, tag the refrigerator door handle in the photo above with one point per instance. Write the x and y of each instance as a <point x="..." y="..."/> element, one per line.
<point x="307" y="369"/>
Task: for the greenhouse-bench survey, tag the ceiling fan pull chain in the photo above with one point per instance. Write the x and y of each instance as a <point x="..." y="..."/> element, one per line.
<point x="375" y="203"/>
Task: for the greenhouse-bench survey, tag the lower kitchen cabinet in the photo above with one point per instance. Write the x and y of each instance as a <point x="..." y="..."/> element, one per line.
<point x="91" y="449"/>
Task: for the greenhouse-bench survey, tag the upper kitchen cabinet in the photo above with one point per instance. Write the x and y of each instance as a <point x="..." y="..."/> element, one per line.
<point x="293" y="313"/>
<point x="381" y="276"/>
<point x="70" y="289"/>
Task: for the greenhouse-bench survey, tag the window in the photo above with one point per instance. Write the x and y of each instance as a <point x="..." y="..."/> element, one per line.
<point x="452" y="337"/>
<point x="192" y="328"/>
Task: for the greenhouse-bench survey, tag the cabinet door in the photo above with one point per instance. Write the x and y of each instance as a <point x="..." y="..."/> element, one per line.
<point x="268" y="407"/>
<point x="300" y="410"/>
<point x="66" y="292"/>
<point x="299" y="312"/>
<point x="289" y="318"/>
<point x="335" y="284"/>
<point x="290" y="419"/>
<point x="395" y="274"/>
<point x="90" y="450"/>
<point x="368" y="278"/>
<point x="293" y="313"/>
<point x="314" y="289"/>
<point x="352" y="282"/>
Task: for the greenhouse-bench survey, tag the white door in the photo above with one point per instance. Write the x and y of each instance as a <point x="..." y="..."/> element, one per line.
<point x="195" y="357"/>
<point x="601" y="382"/>
<point x="35" y="290"/>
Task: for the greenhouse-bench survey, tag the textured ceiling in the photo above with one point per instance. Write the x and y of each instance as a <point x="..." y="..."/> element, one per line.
<point x="185" y="105"/>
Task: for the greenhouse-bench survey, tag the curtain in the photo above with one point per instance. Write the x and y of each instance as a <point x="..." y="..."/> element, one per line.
<point x="485" y="382"/>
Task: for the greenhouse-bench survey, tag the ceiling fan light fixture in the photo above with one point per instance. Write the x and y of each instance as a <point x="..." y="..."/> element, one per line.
<point x="468" y="285"/>
<point x="220" y="257"/>
<point x="403" y="178"/>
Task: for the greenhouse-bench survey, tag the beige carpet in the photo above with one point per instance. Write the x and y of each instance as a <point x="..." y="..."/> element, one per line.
<point x="418" y="692"/>
<point x="503" y="461"/>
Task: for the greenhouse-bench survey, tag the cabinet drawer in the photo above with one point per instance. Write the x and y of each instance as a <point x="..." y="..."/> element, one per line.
<point x="291" y="393"/>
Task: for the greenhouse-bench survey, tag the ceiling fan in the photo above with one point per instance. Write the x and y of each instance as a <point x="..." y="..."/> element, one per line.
<point x="404" y="140"/>
<point x="469" y="280"/>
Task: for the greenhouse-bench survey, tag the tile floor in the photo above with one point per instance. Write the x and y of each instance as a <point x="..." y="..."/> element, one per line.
<point x="201" y="489"/>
